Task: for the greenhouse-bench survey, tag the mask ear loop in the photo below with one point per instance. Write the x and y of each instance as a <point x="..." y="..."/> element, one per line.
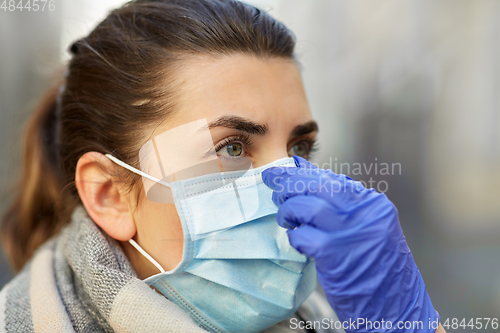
<point x="146" y="255"/>
<point x="136" y="171"/>
<point x="143" y="174"/>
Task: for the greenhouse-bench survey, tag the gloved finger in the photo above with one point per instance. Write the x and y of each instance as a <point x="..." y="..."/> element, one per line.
<point x="315" y="211"/>
<point x="303" y="163"/>
<point x="340" y="192"/>
<point x="308" y="240"/>
<point x="273" y="176"/>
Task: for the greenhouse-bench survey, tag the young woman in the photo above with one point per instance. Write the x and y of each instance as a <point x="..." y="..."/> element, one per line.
<point x="158" y="192"/>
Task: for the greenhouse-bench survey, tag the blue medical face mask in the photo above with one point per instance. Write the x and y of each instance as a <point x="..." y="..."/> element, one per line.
<point x="238" y="271"/>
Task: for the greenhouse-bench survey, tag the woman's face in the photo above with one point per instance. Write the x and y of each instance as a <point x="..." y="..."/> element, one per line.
<point x="256" y="108"/>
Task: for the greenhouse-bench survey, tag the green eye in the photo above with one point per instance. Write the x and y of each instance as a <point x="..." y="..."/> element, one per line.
<point x="234" y="149"/>
<point x="300" y="149"/>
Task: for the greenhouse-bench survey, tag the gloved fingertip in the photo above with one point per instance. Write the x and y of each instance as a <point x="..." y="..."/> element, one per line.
<point x="303" y="163"/>
<point x="269" y="176"/>
<point x="265" y="177"/>
<point x="297" y="160"/>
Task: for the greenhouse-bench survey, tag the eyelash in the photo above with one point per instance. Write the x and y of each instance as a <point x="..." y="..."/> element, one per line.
<point x="241" y="138"/>
<point x="245" y="140"/>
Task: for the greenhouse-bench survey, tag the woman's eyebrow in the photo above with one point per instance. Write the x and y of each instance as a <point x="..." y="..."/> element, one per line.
<point x="309" y="127"/>
<point x="241" y="124"/>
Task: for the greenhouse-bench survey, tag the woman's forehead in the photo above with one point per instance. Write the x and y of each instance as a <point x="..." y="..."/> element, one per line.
<point x="265" y="91"/>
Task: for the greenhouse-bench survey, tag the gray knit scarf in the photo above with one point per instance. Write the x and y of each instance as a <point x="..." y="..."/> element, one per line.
<point x="81" y="281"/>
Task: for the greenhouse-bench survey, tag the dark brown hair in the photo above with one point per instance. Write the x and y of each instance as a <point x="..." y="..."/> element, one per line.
<point x="119" y="84"/>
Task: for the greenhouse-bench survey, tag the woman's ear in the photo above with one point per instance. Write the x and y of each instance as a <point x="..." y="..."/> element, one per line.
<point x="105" y="200"/>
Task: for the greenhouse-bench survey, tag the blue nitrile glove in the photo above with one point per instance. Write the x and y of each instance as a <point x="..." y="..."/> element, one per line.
<point x="362" y="259"/>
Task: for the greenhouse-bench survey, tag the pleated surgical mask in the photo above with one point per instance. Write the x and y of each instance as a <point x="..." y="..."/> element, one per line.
<point x="238" y="271"/>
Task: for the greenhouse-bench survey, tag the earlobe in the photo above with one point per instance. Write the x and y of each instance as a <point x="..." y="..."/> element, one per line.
<point x="104" y="199"/>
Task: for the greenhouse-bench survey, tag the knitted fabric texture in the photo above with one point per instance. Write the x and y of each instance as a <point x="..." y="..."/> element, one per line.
<point x="81" y="281"/>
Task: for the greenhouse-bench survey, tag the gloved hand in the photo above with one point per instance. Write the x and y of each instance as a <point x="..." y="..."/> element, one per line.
<point x="362" y="259"/>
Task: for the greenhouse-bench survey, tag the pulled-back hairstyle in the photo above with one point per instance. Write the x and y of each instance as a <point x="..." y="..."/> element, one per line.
<point x="119" y="83"/>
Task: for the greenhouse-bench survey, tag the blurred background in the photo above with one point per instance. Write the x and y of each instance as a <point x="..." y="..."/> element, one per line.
<point x="413" y="84"/>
